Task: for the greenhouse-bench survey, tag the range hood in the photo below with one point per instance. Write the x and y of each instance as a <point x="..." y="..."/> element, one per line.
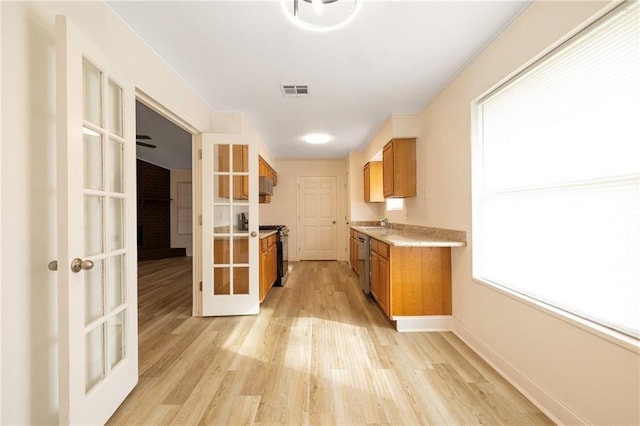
<point x="265" y="186"/>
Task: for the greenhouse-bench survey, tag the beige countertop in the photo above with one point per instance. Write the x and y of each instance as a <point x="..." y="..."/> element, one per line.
<point x="265" y="234"/>
<point x="414" y="236"/>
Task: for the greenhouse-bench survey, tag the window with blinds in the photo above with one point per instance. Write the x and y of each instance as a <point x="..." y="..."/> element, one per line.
<point x="556" y="178"/>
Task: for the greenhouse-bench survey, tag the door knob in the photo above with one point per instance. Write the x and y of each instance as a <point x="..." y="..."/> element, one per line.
<point x="254" y="233"/>
<point x="334" y="222"/>
<point x="53" y="265"/>
<point x="78" y="265"/>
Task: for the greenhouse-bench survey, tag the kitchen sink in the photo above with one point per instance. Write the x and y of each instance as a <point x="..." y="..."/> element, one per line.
<point x="372" y="228"/>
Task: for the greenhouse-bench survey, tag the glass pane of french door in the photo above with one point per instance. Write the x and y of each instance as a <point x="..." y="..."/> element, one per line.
<point x="230" y="202"/>
<point x="104" y="182"/>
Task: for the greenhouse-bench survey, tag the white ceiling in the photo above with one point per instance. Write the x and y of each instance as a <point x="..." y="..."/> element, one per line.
<point x="393" y="58"/>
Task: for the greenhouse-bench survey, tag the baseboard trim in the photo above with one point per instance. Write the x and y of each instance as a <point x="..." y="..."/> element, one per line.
<point x="423" y="323"/>
<point x="547" y="403"/>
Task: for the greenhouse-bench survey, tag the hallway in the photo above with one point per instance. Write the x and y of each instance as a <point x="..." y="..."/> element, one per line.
<point x="320" y="352"/>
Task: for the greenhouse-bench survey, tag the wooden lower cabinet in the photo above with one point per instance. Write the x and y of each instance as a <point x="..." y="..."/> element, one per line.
<point x="411" y="281"/>
<point x="353" y="251"/>
<point x="380" y="281"/>
<point x="268" y="265"/>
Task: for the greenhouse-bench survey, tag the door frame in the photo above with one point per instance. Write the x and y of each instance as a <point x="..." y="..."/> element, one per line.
<point x="298" y="220"/>
<point x="167" y="113"/>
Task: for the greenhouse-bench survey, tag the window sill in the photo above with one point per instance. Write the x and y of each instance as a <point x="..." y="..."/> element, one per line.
<point x="613" y="336"/>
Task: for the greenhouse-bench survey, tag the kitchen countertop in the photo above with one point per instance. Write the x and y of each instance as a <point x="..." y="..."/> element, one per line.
<point x="414" y="237"/>
<point x="265" y="234"/>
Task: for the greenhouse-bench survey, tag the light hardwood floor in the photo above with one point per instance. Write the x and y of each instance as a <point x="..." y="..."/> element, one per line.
<point x="320" y="352"/>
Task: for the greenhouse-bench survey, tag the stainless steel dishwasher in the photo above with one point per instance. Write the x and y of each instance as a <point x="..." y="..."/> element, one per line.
<point x="364" y="259"/>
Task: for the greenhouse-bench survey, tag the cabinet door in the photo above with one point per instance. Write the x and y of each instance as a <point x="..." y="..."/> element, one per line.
<point x="375" y="275"/>
<point x="262" y="167"/>
<point x="383" y="284"/>
<point x="399" y="168"/>
<point x="263" y="274"/>
<point x="387" y="170"/>
<point x="241" y="165"/>
<point x="367" y="183"/>
<point x="273" y="261"/>
<point x="373" y="182"/>
<point x="353" y="254"/>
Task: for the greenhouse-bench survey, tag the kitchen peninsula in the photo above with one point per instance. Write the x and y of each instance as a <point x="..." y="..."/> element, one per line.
<point x="410" y="273"/>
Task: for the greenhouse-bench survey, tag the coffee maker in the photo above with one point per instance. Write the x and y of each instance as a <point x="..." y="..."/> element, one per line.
<point x="243" y="221"/>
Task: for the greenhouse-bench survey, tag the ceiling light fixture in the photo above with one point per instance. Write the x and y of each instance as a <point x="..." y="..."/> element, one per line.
<point x="318" y="6"/>
<point x="321" y="15"/>
<point x="317" y="138"/>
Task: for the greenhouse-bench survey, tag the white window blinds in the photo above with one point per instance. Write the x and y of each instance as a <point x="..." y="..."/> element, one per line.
<point x="557" y="177"/>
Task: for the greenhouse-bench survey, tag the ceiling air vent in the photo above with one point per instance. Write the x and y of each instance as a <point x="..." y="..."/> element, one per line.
<point x="295" y="90"/>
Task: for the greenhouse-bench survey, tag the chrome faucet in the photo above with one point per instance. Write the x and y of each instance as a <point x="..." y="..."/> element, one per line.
<point x="384" y="222"/>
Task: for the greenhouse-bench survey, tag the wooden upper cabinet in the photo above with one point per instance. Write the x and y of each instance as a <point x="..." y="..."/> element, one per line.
<point x="373" y="182"/>
<point x="399" y="168"/>
<point x="240" y="165"/>
<point x="264" y="169"/>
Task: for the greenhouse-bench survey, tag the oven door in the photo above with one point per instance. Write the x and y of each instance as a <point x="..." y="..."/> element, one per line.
<point x="284" y="257"/>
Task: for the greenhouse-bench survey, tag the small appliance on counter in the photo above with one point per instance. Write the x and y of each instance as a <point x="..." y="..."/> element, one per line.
<point x="243" y="221"/>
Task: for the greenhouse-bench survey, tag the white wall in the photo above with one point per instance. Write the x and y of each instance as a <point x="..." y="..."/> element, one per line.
<point x="576" y="375"/>
<point x="283" y="206"/>
<point x="28" y="177"/>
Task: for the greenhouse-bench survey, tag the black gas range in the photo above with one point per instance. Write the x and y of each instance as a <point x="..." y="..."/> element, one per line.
<point x="282" y="250"/>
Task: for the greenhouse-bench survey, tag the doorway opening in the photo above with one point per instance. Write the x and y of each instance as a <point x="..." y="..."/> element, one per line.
<point x="165" y="206"/>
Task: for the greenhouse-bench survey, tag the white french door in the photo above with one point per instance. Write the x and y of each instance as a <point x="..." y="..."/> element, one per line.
<point x="317" y="218"/>
<point x="230" y="270"/>
<point x="96" y="265"/>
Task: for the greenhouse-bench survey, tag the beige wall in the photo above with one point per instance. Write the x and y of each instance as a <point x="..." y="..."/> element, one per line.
<point x="576" y="375"/>
<point x="358" y="209"/>
<point x="284" y="203"/>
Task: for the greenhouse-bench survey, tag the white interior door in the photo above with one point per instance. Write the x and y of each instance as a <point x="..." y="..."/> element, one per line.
<point x="317" y="228"/>
<point x="230" y="273"/>
<point x="97" y="303"/>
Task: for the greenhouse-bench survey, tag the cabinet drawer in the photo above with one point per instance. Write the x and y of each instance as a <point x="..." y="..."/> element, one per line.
<point x="374" y="244"/>
<point x="381" y="248"/>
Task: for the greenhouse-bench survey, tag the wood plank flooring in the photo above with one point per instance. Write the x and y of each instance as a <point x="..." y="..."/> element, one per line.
<point x="320" y="352"/>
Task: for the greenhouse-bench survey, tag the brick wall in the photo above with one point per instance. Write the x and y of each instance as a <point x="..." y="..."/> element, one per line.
<point x="153" y="206"/>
